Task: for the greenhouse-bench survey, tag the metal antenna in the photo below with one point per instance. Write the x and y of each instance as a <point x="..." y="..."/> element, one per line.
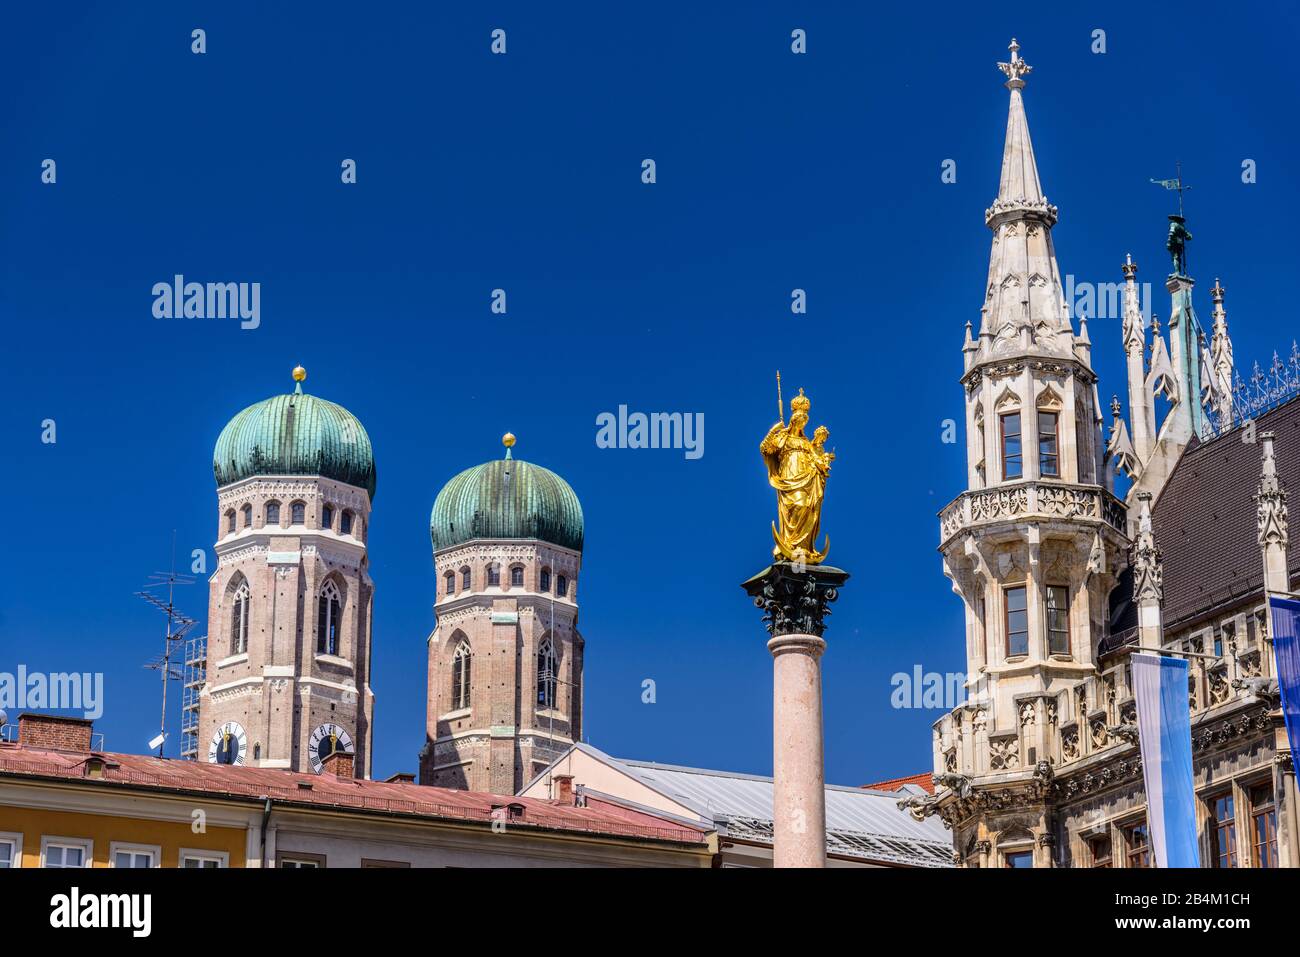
<point x="178" y="626"/>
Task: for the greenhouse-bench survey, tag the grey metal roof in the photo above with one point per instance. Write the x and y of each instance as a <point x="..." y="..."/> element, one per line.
<point x="859" y="822"/>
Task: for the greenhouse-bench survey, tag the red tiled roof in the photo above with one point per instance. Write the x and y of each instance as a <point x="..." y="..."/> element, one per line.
<point x="328" y="792"/>
<point x="925" y="780"/>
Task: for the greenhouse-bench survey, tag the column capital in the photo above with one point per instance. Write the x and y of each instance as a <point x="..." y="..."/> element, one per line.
<point x="795" y="598"/>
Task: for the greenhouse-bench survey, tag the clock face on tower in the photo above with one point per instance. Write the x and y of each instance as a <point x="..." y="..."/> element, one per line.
<point x="229" y="744"/>
<point x="325" y="740"/>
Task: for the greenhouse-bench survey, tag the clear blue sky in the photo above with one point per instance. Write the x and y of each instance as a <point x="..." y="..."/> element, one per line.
<point x="775" y="171"/>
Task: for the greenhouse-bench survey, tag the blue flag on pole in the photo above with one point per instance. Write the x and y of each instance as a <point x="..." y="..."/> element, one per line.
<point x="1164" y="717"/>
<point x="1285" y="616"/>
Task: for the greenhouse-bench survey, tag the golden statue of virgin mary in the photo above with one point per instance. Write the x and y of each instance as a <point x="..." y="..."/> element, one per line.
<point x="797" y="468"/>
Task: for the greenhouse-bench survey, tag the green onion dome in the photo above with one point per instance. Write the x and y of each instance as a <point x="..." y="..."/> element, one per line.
<point x="506" y="498"/>
<point x="295" y="434"/>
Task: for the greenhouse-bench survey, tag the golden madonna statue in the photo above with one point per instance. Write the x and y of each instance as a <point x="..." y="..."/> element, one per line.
<point x="797" y="468"/>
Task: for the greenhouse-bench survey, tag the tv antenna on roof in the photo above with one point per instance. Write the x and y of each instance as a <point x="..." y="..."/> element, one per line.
<point x="178" y="626"/>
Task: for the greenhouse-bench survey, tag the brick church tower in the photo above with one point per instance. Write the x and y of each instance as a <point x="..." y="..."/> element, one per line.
<point x="290" y="603"/>
<point x="505" y="657"/>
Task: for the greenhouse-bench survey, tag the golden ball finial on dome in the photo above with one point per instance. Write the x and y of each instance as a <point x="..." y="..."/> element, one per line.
<point x="508" y="440"/>
<point x="299" y="373"/>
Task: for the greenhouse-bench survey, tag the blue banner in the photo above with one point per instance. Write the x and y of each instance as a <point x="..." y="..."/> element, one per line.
<point x="1284" y="614"/>
<point x="1164" y="717"/>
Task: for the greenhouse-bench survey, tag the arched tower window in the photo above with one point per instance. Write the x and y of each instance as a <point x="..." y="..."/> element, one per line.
<point x="493" y="574"/>
<point x="517" y="576"/>
<point x="329" y="624"/>
<point x="460" y="677"/>
<point x="297" y="513"/>
<point x="327" y="517"/>
<point x="545" y="582"/>
<point x="465" y="578"/>
<point x="546" y="674"/>
<point x="272" y="513"/>
<point x="239" y="619"/>
<point x="345" y="523"/>
<point x="561" y="585"/>
<point x="230" y="522"/>
<point x="451" y="584"/>
<point x="248" y="516"/>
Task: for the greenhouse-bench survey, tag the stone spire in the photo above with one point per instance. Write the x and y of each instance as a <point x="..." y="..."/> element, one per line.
<point x="1024" y="304"/>
<point x="1271" y="499"/>
<point x="1221" y="358"/>
<point x="1148" y="576"/>
<point x="1141" y="401"/>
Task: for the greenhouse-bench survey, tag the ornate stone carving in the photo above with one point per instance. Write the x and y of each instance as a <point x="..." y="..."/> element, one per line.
<point x="1271" y="500"/>
<point x="1004" y="754"/>
<point x="1144" y="555"/>
<point x="795" y="601"/>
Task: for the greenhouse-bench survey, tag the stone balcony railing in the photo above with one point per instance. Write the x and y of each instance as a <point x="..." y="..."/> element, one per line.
<point x="1017" y="501"/>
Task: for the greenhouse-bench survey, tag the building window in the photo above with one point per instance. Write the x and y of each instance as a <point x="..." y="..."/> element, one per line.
<point x="65" y="852"/>
<point x="545" y="583"/>
<point x="133" y="855"/>
<point x="1058" y="620"/>
<point x="1224" y="834"/>
<point x="297" y="513"/>
<point x="546" y="677"/>
<point x="516" y="577"/>
<point x="272" y="513"/>
<point x="300" y="861"/>
<point x="1049" y="459"/>
<point x="464" y="578"/>
<point x="1263" y="825"/>
<point x="1099" y="849"/>
<point x="202" y="858"/>
<point x="493" y="574"/>
<point x="451" y="584"/>
<point x="561" y="585"/>
<point x="1013" y="461"/>
<point x="11" y="850"/>
<point x="248" y="516"/>
<point x="1137" y="845"/>
<point x="239" y="620"/>
<point x="230" y="522"/>
<point x="330" y="621"/>
<point x="345" y="523"/>
<point x="1019" y="858"/>
<point x="327" y="517"/>
<point x="1017" y="622"/>
<point x="460" y="677"/>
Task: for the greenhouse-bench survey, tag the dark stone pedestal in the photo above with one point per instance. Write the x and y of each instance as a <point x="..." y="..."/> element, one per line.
<point x="795" y="598"/>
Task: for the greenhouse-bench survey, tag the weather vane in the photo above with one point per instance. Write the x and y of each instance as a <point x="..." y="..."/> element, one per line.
<point x="1175" y="184"/>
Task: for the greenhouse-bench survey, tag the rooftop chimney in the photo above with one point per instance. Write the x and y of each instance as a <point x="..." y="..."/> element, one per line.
<point x="54" y="732"/>
<point x="562" y="785"/>
<point x="401" y="777"/>
<point x="340" y="764"/>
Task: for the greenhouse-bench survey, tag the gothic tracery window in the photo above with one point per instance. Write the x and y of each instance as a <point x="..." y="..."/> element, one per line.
<point x="460" y="684"/>
<point x="546" y="676"/>
<point x="239" y="619"/>
<point x="329" y="621"/>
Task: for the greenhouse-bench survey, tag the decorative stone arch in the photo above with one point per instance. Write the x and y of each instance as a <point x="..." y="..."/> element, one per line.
<point x="1049" y="400"/>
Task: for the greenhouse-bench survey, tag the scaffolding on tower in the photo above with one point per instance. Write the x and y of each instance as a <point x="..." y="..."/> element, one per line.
<point x="195" y="675"/>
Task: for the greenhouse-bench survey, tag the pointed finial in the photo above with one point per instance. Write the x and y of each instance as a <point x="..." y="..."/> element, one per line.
<point x="1216" y="294"/>
<point x="508" y="440"/>
<point x="1130" y="267"/>
<point x="299" y="375"/>
<point x="1016" y="69"/>
<point x="1114" y="406"/>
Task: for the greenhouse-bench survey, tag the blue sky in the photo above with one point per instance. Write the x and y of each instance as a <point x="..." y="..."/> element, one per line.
<point x="522" y="172"/>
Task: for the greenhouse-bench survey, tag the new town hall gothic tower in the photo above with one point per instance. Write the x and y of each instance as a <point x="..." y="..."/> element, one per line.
<point x="289" y="610"/>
